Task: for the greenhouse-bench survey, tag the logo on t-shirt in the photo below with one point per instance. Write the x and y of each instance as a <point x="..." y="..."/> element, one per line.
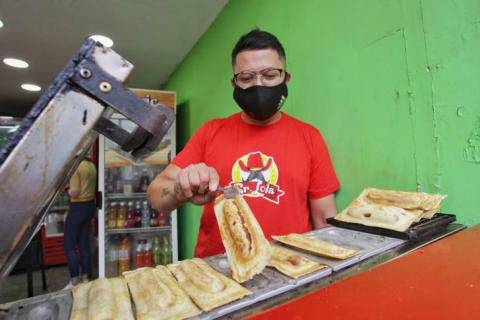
<point x="257" y="175"/>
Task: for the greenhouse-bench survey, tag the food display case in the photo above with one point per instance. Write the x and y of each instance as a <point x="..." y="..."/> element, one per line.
<point x="131" y="233"/>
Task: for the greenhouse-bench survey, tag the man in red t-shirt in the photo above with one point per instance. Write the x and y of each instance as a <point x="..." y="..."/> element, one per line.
<point x="281" y="164"/>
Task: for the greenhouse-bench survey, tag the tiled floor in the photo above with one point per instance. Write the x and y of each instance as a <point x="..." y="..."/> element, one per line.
<point x="15" y="287"/>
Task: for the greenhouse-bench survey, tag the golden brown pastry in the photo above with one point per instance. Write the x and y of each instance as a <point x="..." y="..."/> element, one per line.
<point x="80" y="303"/>
<point x="389" y="209"/>
<point x="157" y="295"/>
<point x="292" y="264"/>
<point x="207" y="287"/>
<point x="315" y="246"/>
<point x="403" y="199"/>
<point x="248" y="250"/>
<point x="102" y="299"/>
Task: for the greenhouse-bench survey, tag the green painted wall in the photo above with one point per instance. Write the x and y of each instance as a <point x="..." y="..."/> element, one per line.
<point x="392" y="85"/>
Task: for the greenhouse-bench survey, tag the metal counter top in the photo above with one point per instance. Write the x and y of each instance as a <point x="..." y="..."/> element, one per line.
<point x="348" y="272"/>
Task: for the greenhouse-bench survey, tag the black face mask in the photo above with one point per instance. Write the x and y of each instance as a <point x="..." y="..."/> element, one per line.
<point x="261" y="102"/>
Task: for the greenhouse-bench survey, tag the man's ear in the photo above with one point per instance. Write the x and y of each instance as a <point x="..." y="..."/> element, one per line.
<point x="232" y="82"/>
<point x="288" y="75"/>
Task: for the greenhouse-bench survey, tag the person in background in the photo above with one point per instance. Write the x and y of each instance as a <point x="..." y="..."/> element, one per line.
<point x="281" y="164"/>
<point x="77" y="225"/>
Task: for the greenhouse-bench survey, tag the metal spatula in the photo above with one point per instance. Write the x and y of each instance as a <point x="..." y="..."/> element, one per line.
<point x="229" y="192"/>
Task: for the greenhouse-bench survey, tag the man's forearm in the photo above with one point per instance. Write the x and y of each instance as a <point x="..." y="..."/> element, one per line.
<point x="161" y="195"/>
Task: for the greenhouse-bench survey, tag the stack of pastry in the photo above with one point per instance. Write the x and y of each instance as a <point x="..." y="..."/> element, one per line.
<point x="389" y="209"/>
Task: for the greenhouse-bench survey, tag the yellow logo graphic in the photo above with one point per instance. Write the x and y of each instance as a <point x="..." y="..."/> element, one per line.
<point x="257" y="175"/>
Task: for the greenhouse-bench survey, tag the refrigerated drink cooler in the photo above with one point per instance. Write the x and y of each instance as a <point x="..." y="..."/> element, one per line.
<point x="132" y="234"/>
<point x="37" y="161"/>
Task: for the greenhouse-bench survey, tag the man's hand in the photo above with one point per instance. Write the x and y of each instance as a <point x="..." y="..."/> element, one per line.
<point x="196" y="183"/>
<point x="174" y="186"/>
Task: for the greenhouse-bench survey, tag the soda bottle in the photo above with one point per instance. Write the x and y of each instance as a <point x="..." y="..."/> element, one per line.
<point x="144" y="180"/>
<point x="167" y="252"/>
<point x="139" y="255"/>
<point x="145" y="215"/>
<point x="130" y="215"/>
<point x="136" y="181"/>
<point x="124" y="256"/>
<point x="154" y="218"/>
<point x="112" y="215"/>
<point x="162" y="218"/>
<point x="122" y="216"/>
<point x="112" y="258"/>
<point x="127" y="180"/>
<point x="148" y="258"/>
<point x="157" y="252"/>
<point x="138" y="215"/>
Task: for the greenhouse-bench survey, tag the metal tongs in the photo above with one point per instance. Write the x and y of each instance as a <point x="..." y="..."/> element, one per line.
<point x="229" y="192"/>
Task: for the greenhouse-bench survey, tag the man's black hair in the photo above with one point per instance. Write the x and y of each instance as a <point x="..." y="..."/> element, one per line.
<point x="257" y="39"/>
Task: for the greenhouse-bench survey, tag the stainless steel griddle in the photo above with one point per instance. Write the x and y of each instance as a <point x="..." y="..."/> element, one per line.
<point x="38" y="160"/>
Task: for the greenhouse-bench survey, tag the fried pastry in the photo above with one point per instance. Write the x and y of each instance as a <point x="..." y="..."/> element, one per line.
<point x="207" y="287"/>
<point x="248" y="250"/>
<point x="292" y="264"/>
<point x="315" y="246"/>
<point x="157" y="295"/>
<point x="389" y="209"/>
<point x="80" y="302"/>
<point x="102" y="299"/>
<point x="403" y="199"/>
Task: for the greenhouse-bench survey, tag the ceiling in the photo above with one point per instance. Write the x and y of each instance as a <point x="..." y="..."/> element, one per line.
<point x="155" y="35"/>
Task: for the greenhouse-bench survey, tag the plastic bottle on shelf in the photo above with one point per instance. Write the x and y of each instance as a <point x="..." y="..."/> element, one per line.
<point x="112" y="258"/>
<point x="127" y="180"/>
<point x="130" y="215"/>
<point x="162" y="218"/>
<point x="138" y="215"/>
<point x="145" y="215"/>
<point x="144" y="180"/>
<point x="140" y="255"/>
<point x="122" y="216"/>
<point x="153" y="218"/>
<point x="124" y="256"/>
<point x="136" y="181"/>
<point x="148" y="258"/>
<point x="112" y="211"/>
<point x="157" y="252"/>
<point x="167" y="251"/>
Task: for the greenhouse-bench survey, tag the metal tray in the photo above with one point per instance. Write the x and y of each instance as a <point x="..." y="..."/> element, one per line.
<point x="55" y="306"/>
<point x="417" y="231"/>
<point x="267" y="284"/>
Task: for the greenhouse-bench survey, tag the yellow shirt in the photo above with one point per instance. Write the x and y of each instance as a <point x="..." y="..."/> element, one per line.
<point x="84" y="180"/>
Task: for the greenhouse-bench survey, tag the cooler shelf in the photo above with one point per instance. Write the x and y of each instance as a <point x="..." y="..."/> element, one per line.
<point x="138" y="230"/>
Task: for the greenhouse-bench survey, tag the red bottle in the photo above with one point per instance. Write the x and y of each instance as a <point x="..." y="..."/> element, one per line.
<point x="162" y="218"/>
<point x="130" y="215"/>
<point x="138" y="215"/>
<point x="139" y="255"/>
<point x="148" y="258"/>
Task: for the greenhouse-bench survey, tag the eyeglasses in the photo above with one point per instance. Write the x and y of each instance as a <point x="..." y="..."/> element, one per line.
<point x="268" y="77"/>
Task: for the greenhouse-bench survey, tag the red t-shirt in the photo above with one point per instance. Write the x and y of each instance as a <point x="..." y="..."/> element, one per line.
<point x="278" y="167"/>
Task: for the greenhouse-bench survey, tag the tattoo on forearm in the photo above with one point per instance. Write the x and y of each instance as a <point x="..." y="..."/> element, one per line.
<point x="165" y="192"/>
